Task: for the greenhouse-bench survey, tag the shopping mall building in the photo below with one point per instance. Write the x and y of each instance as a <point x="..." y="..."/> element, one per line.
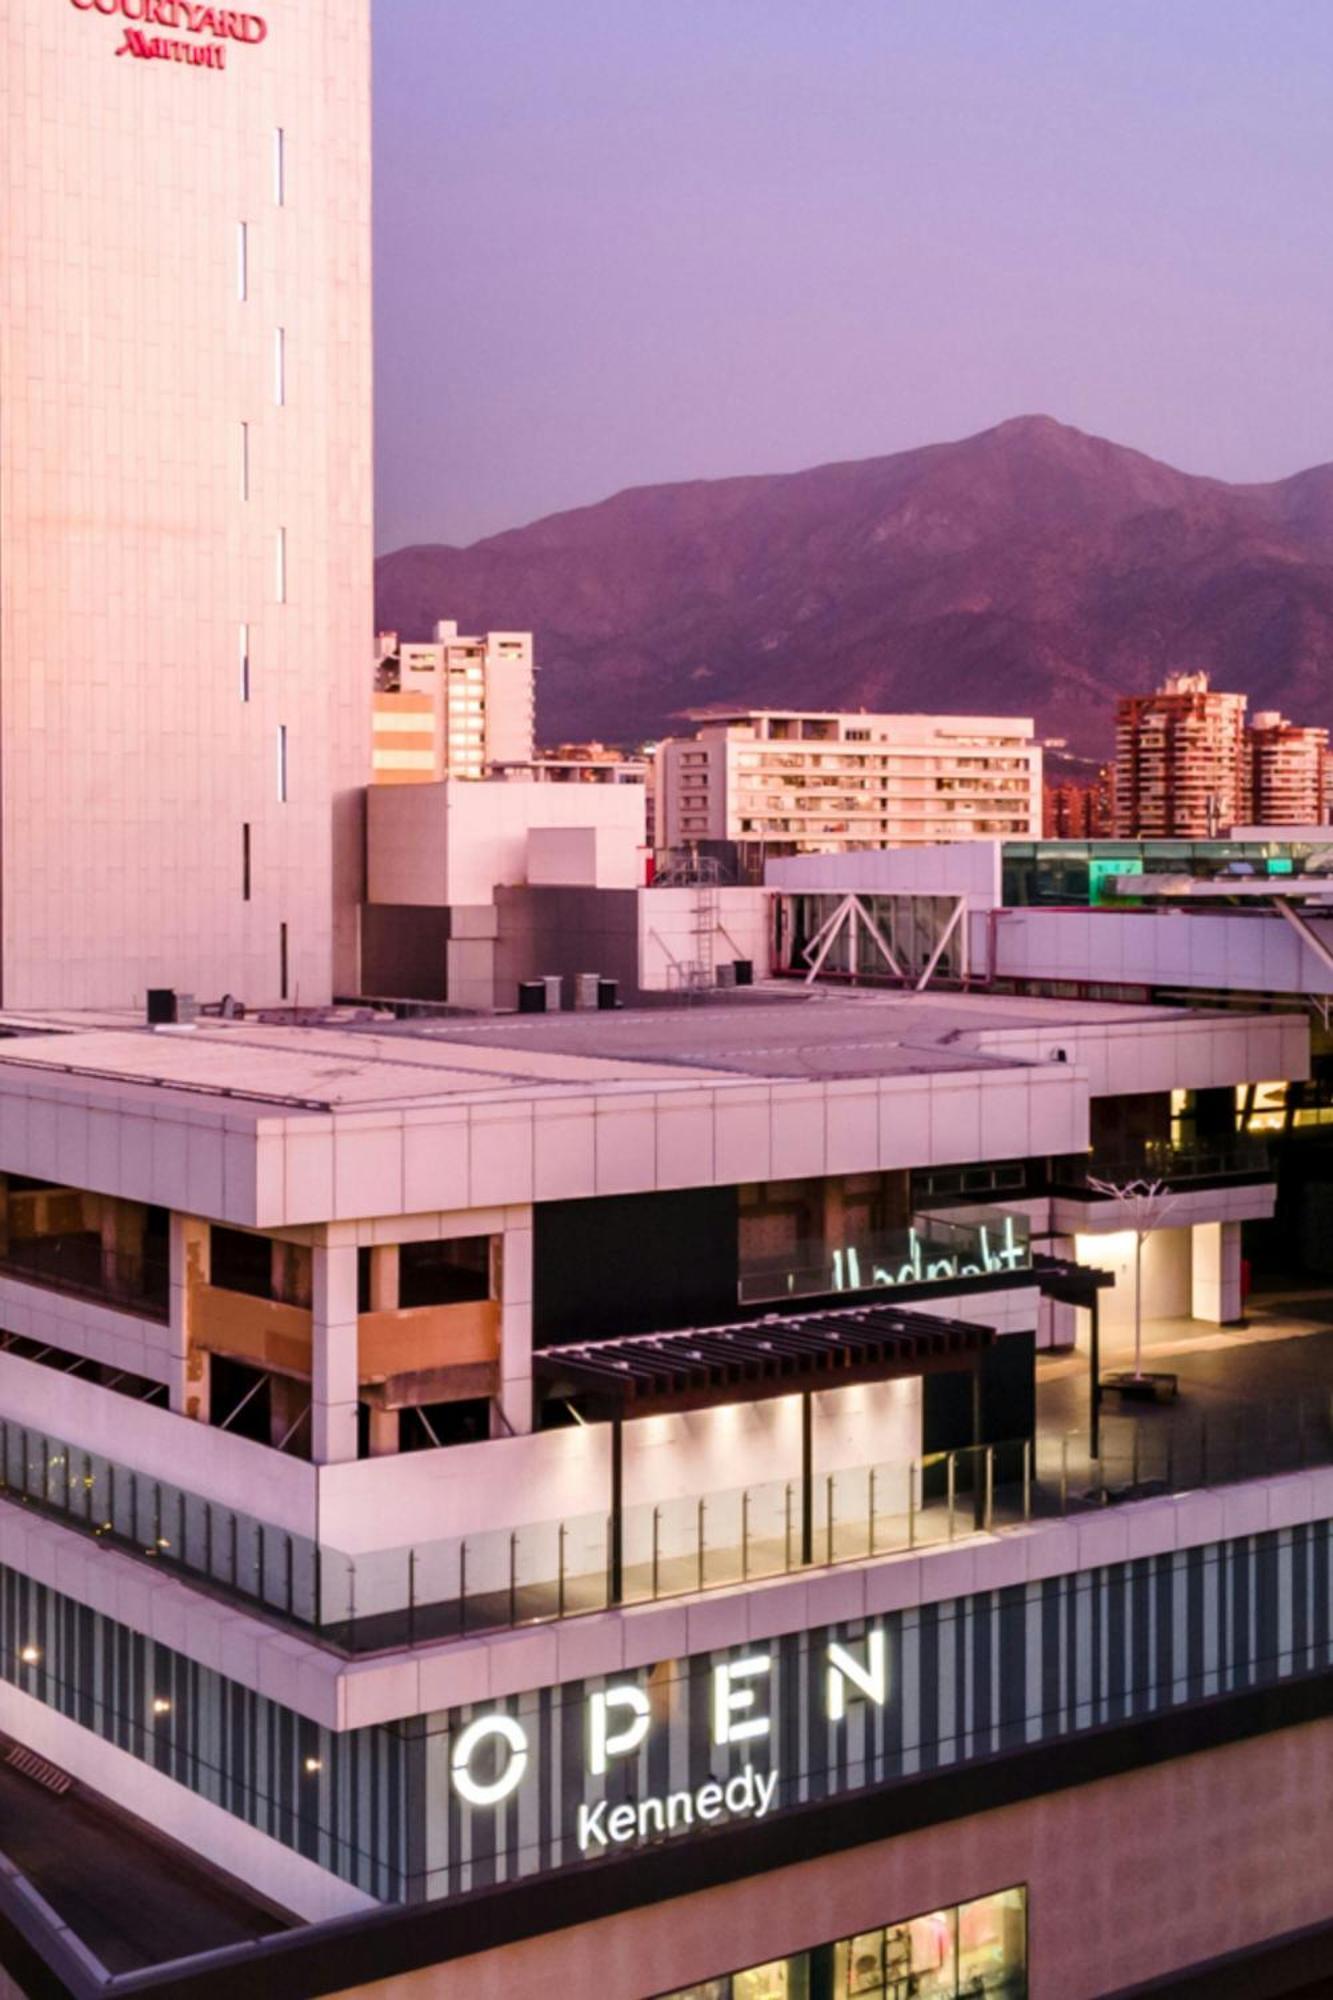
<point x="611" y="1499"/>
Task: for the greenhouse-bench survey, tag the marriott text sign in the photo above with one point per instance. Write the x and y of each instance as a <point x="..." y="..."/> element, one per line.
<point x="214" y="29"/>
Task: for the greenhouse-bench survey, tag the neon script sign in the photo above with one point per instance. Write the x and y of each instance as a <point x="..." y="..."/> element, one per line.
<point x="491" y="1756"/>
<point x="1002" y="1253"/>
<point x="216" y="28"/>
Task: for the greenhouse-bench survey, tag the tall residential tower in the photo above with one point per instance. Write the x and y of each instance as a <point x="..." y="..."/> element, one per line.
<point x="185" y="498"/>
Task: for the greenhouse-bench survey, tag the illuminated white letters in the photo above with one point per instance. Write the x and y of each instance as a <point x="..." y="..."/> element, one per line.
<point x="730" y="1701"/>
<point x="872" y="1679"/>
<point x="505" y="1730"/>
<point x="604" y="1743"/>
<point x="747" y="1794"/>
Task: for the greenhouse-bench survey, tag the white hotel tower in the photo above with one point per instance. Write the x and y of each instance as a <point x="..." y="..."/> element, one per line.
<point x="185" y="496"/>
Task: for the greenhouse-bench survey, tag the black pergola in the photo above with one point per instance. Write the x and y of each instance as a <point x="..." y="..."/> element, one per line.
<point x="1079" y="1285"/>
<point x="782" y="1354"/>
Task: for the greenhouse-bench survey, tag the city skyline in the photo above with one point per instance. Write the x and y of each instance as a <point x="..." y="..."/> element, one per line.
<point x="709" y="243"/>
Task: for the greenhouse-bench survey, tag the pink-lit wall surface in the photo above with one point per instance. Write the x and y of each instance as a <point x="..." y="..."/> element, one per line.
<point x="1128" y="1879"/>
<point x="135" y="545"/>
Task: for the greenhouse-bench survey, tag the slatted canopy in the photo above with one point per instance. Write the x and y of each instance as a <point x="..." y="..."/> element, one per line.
<point x="782" y="1354"/>
<point x="1069" y="1283"/>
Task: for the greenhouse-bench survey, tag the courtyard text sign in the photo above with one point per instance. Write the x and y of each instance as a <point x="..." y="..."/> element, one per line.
<point x="213" y="29"/>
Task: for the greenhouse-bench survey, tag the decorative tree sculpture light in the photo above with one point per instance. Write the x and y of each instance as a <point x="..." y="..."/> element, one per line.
<point x="1148" y="1203"/>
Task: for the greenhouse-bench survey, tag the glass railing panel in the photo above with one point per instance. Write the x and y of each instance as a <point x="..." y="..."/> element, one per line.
<point x="535" y="1567"/>
<point x="440" y="1588"/>
<point x="772" y="1541"/>
<point x="724" y="1524"/>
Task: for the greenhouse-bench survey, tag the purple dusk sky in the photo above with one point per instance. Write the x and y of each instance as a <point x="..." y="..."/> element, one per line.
<point x="622" y="241"/>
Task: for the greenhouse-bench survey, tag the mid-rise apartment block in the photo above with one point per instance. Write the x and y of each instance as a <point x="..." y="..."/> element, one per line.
<point x="185" y="497"/>
<point x="1181" y="762"/>
<point x="773" y="782"/>
<point x="1289" y="772"/>
<point x="456" y="707"/>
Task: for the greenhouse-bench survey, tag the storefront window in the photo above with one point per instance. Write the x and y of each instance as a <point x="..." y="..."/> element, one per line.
<point x="974" y="1949"/>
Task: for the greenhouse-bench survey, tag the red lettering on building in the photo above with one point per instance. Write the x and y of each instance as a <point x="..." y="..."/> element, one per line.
<point x="222" y="24"/>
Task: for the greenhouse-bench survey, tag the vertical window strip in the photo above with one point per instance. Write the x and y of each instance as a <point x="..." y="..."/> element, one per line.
<point x="245" y="662"/>
<point x="282" y="763"/>
<point x="245" y="461"/>
<point x="279" y="167"/>
<point x="245" y="862"/>
<point x="280" y="578"/>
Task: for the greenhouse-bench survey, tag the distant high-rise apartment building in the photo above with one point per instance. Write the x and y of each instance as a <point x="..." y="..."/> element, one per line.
<point x="1182" y="761"/>
<point x="455" y="707"/>
<point x="809" y="782"/>
<point x="185" y="498"/>
<point x="1080" y="810"/>
<point x="1288" y="772"/>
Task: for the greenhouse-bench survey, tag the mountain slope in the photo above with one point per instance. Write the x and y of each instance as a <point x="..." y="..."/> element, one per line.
<point x="1030" y="569"/>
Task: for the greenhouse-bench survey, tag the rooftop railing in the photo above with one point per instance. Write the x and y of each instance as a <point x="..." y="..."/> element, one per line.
<point x="1243" y="1156"/>
<point x="451" y="1586"/>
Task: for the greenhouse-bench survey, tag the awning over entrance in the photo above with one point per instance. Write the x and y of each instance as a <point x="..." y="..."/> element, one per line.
<point x="782" y="1354"/>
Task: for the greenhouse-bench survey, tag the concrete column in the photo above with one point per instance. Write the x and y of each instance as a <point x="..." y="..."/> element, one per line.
<point x="1215" y="1272"/>
<point x="383" y="1432"/>
<point x="334" y="1354"/>
<point x="188" y="1249"/>
<point x="384" y="1278"/>
<point x="515" y="1292"/>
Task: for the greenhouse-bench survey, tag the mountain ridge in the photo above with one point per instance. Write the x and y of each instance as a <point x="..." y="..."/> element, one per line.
<point x="1031" y="568"/>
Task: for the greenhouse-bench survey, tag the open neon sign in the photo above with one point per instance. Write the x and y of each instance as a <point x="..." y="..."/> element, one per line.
<point x="492" y="1755"/>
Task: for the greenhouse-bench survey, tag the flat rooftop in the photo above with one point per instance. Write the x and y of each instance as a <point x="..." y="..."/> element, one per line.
<point x="324" y="1067"/>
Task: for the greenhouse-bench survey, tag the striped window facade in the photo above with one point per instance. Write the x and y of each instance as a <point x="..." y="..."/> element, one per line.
<point x="969" y="1678"/>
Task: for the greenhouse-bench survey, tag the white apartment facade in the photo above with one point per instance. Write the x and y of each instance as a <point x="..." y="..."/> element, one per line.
<point x="185" y="499"/>
<point x="453" y="707"/>
<point x="800" y="782"/>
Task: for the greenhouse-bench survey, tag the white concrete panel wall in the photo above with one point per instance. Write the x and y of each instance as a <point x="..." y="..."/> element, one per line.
<point x="453" y="842"/>
<point x="267" y="1170"/>
<point x="1157" y="1053"/>
<point x="563" y="1474"/>
<point x="1245" y="951"/>
<point x="669" y="932"/>
<point x="135" y="546"/>
<point x="968" y="868"/>
<point x="594" y="857"/>
<point x="158" y="1444"/>
<point x="78" y="1326"/>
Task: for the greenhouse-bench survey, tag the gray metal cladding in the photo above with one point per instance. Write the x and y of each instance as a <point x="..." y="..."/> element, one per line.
<point x="973" y="1677"/>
